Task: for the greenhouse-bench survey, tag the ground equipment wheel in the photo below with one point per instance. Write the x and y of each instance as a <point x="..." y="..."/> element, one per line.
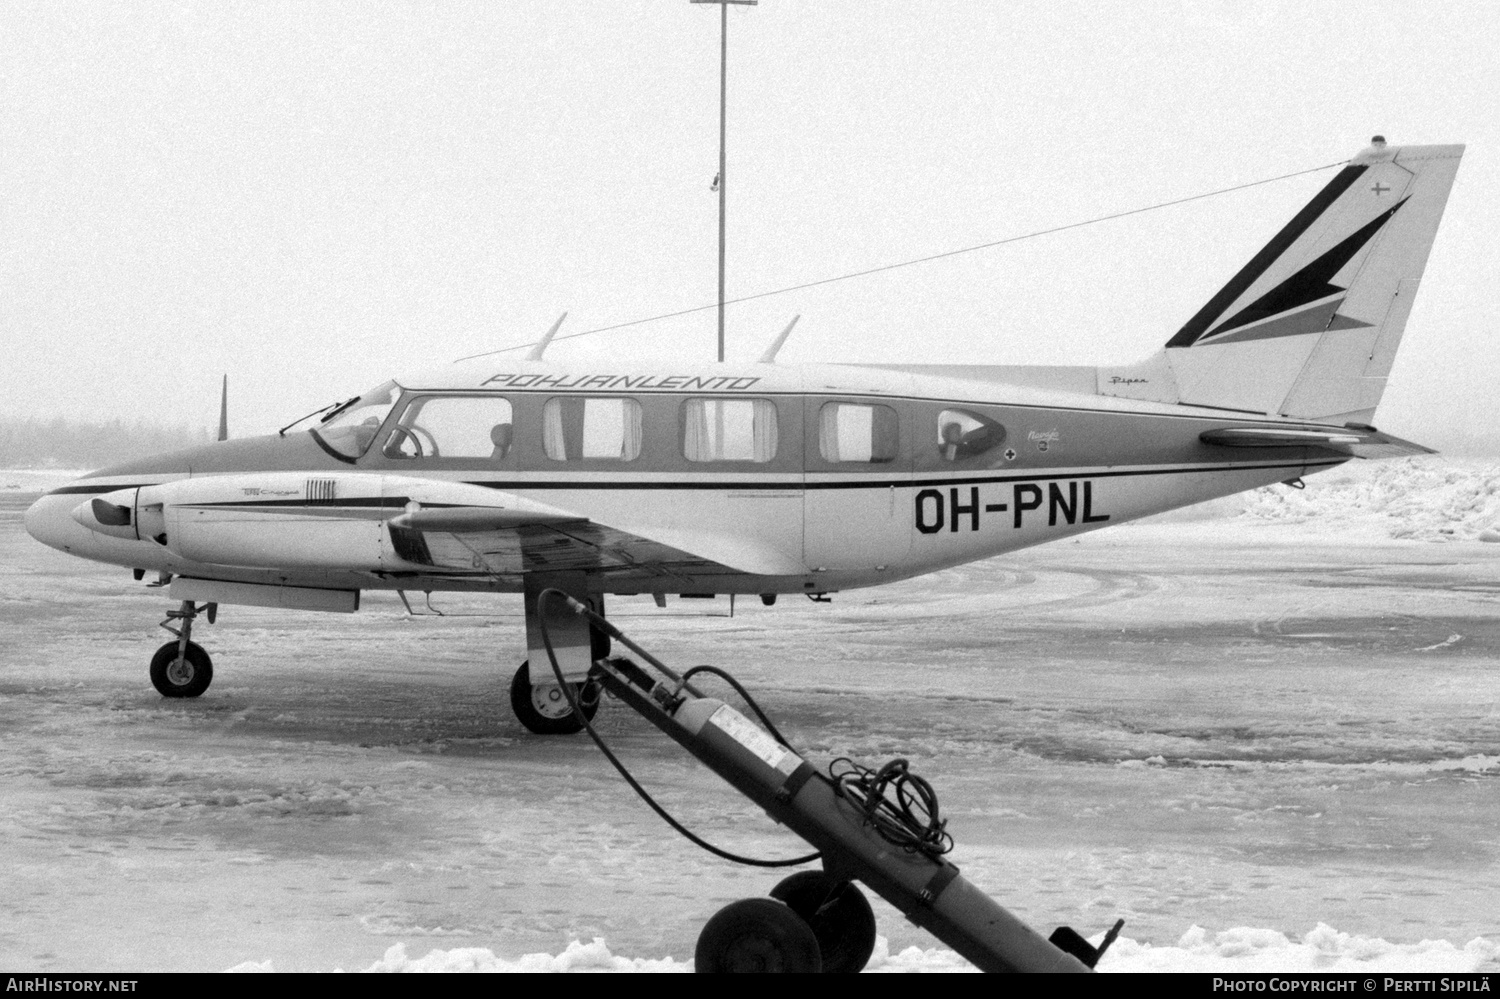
<point x="838" y="914"/>
<point x="757" y="935"/>
<point x="545" y="709"/>
<point x="186" y="675"/>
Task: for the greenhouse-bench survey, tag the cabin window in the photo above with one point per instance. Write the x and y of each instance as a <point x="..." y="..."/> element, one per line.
<point x="729" y="430"/>
<point x="577" y="427"/>
<point x="351" y="430"/>
<point x="453" y="427"/>
<point x="853" y="432"/>
<point x="962" y="434"/>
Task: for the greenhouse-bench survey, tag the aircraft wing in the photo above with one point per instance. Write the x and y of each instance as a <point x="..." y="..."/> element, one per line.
<point x="512" y="542"/>
<point x="409" y="526"/>
<point x="1357" y="442"/>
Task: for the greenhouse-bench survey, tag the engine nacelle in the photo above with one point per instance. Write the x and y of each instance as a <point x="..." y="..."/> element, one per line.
<point x="279" y="522"/>
<point x="289" y="520"/>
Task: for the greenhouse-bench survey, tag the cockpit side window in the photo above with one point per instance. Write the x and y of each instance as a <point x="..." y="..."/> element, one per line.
<point x="963" y="434"/>
<point x="453" y="427"/>
<point x="351" y="431"/>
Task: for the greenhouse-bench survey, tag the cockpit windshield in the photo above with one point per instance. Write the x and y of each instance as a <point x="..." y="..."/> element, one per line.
<point x="350" y="428"/>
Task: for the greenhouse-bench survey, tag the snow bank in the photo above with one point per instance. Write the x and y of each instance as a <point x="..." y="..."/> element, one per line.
<point x="1423" y="499"/>
<point x="596" y="957"/>
<point x="1324" y="949"/>
<point x="578" y="957"/>
<point x="1242" y="949"/>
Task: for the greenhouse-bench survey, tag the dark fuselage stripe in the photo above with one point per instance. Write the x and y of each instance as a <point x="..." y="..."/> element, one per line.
<point x="379" y="502"/>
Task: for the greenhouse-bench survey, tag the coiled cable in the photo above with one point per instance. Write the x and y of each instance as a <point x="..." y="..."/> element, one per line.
<point x="900" y="806"/>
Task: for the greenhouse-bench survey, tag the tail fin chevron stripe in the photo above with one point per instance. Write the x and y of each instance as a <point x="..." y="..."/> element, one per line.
<point x="1308" y="329"/>
<point x="1311" y="284"/>
<point x="1268" y="255"/>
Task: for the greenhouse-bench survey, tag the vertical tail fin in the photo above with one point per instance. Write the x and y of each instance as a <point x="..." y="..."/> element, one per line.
<point x="1309" y="327"/>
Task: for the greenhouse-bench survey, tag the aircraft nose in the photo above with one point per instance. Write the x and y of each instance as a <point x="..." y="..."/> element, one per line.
<point x="48" y="520"/>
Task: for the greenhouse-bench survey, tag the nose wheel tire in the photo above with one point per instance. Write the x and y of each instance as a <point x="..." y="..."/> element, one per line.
<point x="545" y="710"/>
<point x="839" y="915"/>
<point x="757" y="935"/>
<point x="181" y="675"/>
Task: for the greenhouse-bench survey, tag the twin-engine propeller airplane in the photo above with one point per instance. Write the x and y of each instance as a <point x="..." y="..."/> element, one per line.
<point x="767" y="479"/>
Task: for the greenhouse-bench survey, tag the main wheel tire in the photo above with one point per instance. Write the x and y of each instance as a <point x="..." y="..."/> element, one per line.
<point x="757" y="935"/>
<point x="545" y="709"/>
<point x="838" y="914"/>
<point x="181" y="676"/>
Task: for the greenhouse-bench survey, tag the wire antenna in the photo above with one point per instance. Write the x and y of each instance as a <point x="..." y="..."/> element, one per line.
<point x="935" y="256"/>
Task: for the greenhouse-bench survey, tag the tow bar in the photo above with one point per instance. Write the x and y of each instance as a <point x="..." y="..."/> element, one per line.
<point x="819" y="921"/>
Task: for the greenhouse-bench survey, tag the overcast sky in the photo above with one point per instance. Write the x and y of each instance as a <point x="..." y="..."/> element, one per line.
<point x="314" y="197"/>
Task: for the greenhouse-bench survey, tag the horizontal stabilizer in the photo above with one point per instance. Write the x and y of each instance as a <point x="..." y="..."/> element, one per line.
<point x="1357" y="442"/>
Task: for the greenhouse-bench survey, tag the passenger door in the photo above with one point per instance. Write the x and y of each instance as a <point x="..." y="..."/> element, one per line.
<point x="857" y="499"/>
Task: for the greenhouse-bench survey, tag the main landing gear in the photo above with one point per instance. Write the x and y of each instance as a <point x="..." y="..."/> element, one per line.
<point x="544" y="708"/>
<point x="538" y="702"/>
<point x="181" y="668"/>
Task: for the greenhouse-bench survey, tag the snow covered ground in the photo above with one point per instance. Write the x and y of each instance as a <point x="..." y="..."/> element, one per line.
<point x="1265" y="733"/>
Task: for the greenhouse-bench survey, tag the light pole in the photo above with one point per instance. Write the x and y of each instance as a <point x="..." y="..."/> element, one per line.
<point x="720" y="180"/>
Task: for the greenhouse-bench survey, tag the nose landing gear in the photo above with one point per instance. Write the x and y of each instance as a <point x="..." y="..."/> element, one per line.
<point x="182" y="668"/>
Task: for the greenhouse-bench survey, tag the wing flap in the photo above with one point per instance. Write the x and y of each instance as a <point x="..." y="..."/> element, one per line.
<point x="514" y="541"/>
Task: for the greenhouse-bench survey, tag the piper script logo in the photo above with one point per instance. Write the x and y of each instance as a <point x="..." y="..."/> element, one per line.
<point x="1043" y="439"/>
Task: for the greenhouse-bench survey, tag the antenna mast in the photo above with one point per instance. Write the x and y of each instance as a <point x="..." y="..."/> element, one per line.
<point x="719" y="181"/>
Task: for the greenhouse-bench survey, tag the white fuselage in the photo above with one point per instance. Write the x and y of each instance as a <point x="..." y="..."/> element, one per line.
<point x="748" y="479"/>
